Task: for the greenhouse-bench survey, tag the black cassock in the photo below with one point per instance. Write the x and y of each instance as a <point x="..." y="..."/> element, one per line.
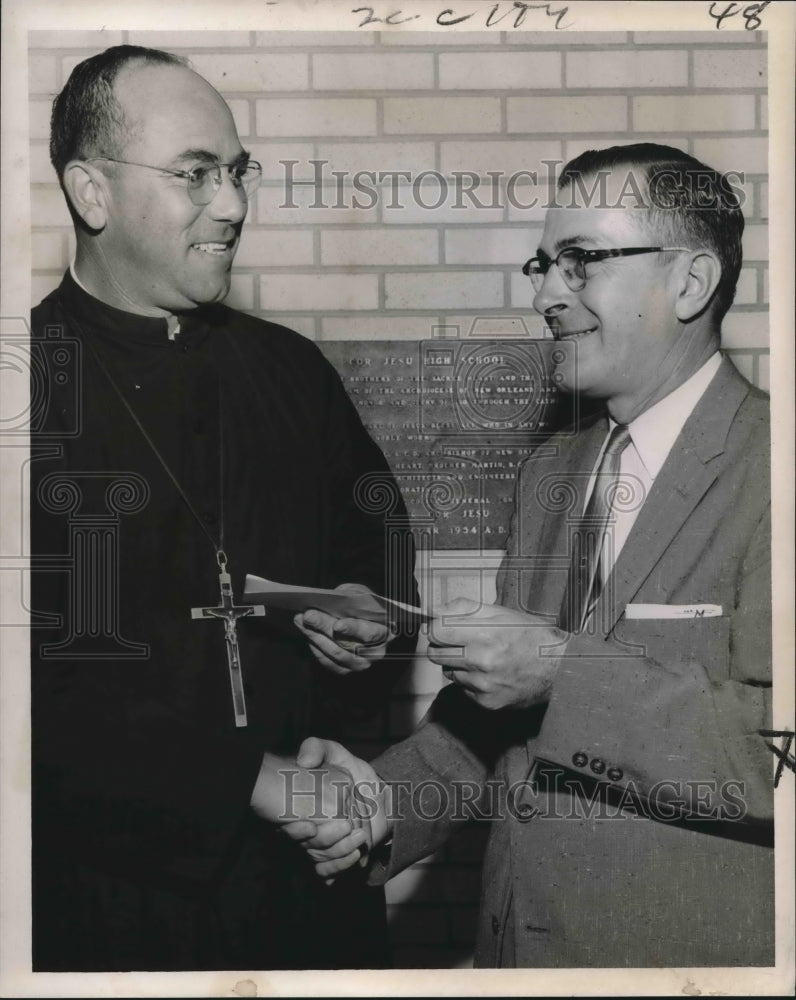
<point x="146" y="855"/>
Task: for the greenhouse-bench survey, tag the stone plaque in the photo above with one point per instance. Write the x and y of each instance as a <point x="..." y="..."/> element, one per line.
<point x="454" y="417"/>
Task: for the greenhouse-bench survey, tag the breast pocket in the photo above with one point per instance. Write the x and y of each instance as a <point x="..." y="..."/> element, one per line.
<point x="681" y="643"/>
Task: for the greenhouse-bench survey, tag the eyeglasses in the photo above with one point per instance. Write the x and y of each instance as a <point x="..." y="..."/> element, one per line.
<point x="572" y="261"/>
<point x="204" y="182"/>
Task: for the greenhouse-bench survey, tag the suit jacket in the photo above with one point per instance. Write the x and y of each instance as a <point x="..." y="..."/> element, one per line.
<point x="632" y="815"/>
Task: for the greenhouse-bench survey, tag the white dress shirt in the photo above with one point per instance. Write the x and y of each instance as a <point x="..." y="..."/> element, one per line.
<point x="653" y="434"/>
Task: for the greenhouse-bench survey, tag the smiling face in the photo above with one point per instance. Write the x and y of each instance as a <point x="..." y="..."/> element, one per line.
<point x="158" y="252"/>
<point x="631" y="347"/>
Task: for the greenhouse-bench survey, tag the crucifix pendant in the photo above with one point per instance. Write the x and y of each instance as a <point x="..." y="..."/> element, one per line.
<point x="229" y="613"/>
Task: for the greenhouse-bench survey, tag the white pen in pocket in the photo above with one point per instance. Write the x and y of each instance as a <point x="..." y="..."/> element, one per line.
<point x="639" y="612"/>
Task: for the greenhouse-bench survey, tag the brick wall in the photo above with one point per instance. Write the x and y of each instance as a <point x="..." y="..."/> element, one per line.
<point x="337" y="263"/>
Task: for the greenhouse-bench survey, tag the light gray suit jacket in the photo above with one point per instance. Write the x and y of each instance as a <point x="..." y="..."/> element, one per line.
<point x="635" y="816"/>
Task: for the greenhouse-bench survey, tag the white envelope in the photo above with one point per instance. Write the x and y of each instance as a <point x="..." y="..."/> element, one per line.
<point x="651" y="611"/>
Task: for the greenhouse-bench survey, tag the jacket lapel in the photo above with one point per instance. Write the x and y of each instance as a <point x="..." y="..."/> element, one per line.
<point x="686" y="476"/>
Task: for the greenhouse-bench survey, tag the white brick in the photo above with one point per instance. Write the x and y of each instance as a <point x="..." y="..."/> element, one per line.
<point x="566" y="114"/>
<point x="241" y="292"/>
<point x="318" y="291"/>
<point x="232" y="72"/>
<point x="746" y="291"/>
<point x="506" y="70"/>
<point x="433" y="39"/>
<point x="522" y="294"/>
<point x="42" y="74"/>
<point x="765" y="285"/>
<point x="41" y="170"/>
<point x="730" y="68"/>
<point x="378" y="327"/>
<point x="507" y="157"/>
<point x="441" y="115"/>
<point x="528" y="203"/>
<point x="318" y="116"/>
<point x="378" y="247"/>
<point x="270" y="154"/>
<point x="93" y="40"/>
<point x="763" y="374"/>
<point x="745" y="363"/>
<point x="755" y="242"/>
<point x="413" y="157"/>
<point x="574" y="147"/>
<point x="43" y="284"/>
<point x="652" y="68"/>
<point x="48" y="207"/>
<point x="444" y="290"/>
<point x="39" y="112"/>
<point x="275" y="248"/>
<point x="48" y="251"/>
<point x="706" y="112"/>
<point x="241" y="113"/>
<point x="373" y="71"/>
<point x="313" y="39"/>
<point x="313" y="206"/>
<point x="746" y="154"/>
<point x="170" y="40"/>
<point x="745" y="329"/>
<point x="68" y="63"/>
<point x="490" y="246"/>
<point x="763" y="201"/>
<point x="691" y="37"/>
<point x="305" y="325"/>
<point x="407" y="206"/>
<point x="763" y="112"/>
<point x="597" y="38"/>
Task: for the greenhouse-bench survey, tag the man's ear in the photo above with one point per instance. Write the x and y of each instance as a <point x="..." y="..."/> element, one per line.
<point x="697" y="284"/>
<point x="87" y="191"/>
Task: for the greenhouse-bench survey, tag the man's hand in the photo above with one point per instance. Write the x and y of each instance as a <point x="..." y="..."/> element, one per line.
<point x="285" y="792"/>
<point x="343" y="645"/>
<point x="341" y="843"/>
<point x="502" y="658"/>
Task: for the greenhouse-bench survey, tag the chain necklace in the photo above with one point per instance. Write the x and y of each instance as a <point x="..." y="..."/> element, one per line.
<point x="227" y="611"/>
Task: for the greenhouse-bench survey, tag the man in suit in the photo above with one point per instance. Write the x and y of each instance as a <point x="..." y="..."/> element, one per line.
<point x="605" y="714"/>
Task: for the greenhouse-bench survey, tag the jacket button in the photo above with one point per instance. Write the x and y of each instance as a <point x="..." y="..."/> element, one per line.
<point x="580" y="759"/>
<point x="615" y="774"/>
<point x="495" y="924"/>
<point x="597" y="765"/>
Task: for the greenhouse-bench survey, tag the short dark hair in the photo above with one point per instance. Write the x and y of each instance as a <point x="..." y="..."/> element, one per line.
<point x="687" y="202"/>
<point x="87" y="119"/>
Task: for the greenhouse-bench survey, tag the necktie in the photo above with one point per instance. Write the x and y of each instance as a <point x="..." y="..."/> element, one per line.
<point x="583" y="582"/>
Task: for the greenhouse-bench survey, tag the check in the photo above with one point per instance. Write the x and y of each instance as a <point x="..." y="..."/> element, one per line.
<point x="339" y="603"/>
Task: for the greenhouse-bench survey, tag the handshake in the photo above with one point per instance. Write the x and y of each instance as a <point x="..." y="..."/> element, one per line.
<point x="327" y="800"/>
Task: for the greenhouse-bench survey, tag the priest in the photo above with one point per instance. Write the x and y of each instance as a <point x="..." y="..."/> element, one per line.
<point x="177" y="446"/>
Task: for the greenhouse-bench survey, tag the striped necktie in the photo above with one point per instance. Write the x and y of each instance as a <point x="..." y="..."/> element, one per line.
<point x="584" y="580"/>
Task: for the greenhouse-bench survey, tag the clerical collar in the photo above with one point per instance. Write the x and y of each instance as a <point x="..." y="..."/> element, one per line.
<point x="128" y="327"/>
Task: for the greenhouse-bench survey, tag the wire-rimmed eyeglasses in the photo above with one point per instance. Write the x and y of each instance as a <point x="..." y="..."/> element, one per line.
<point x="205" y="182"/>
<point x="572" y="261"/>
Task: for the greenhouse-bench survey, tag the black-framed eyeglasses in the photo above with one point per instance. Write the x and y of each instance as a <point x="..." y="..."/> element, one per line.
<point x="572" y="261"/>
<point x="204" y="182"/>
